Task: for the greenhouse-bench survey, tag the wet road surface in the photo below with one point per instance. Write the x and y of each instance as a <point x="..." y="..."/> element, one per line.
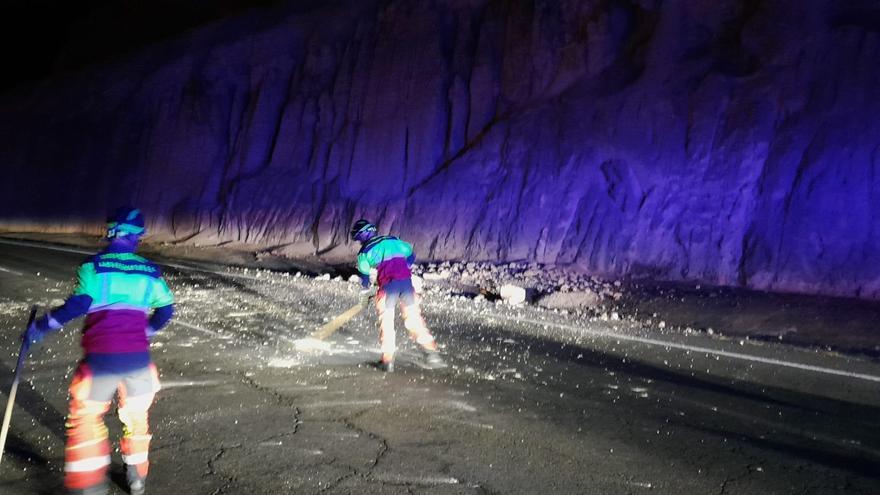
<point x="533" y="401"/>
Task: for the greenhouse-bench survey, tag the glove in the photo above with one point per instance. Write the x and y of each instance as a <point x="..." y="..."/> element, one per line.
<point x="33" y="334"/>
<point x="367" y="295"/>
<point x="38" y="329"/>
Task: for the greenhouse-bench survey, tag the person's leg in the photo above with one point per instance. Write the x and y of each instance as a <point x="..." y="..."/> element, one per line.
<point x="136" y="394"/>
<point x="385" y="302"/>
<point x="418" y="330"/>
<point x="414" y="322"/>
<point x="87" y="450"/>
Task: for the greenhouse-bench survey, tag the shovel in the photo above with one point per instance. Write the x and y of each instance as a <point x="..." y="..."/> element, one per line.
<point x="316" y="339"/>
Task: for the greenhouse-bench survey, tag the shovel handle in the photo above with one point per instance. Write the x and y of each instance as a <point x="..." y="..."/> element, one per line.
<point x="25" y="345"/>
<point x="7" y="416"/>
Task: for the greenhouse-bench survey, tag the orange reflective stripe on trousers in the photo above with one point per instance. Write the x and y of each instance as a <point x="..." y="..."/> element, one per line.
<point x="87" y="453"/>
<point x="412" y="321"/>
<point x="134" y="415"/>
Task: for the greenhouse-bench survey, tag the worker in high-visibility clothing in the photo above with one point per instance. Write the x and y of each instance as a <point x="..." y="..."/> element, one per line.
<point x="392" y="258"/>
<point x="126" y="301"/>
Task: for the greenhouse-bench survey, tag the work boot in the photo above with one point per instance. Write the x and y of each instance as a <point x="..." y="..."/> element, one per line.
<point x="386" y="366"/>
<point x="137" y="487"/>
<point x="136" y="484"/>
<point x="92" y="490"/>
<point x="433" y="359"/>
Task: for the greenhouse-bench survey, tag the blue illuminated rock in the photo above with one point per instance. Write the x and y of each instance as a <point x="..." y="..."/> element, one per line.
<point x="726" y="142"/>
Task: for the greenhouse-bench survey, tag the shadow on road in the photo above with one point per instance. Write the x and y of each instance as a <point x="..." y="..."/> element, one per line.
<point x="31" y="401"/>
<point x="811" y="412"/>
<point x="835" y="458"/>
<point x="48" y="416"/>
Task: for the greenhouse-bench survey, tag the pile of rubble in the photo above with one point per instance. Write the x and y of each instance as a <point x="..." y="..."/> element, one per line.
<point x="520" y="283"/>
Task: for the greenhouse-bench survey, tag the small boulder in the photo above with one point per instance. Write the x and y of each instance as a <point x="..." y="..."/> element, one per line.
<point x="570" y="300"/>
<point x="512" y="294"/>
<point x="441" y="275"/>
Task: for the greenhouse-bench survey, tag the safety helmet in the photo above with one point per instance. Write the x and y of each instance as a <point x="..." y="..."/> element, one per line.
<point x="125" y="221"/>
<point x="362" y="230"/>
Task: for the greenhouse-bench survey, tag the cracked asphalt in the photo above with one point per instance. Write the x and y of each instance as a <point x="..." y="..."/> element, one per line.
<point x="533" y="401"/>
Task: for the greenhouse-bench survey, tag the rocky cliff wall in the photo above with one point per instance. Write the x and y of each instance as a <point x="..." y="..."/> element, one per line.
<point x="720" y="141"/>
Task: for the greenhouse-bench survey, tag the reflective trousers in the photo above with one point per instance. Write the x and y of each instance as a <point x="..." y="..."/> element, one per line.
<point x="87" y="453"/>
<point x="400" y="292"/>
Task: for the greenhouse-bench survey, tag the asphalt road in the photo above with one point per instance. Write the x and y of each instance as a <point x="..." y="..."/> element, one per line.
<point x="533" y="401"/>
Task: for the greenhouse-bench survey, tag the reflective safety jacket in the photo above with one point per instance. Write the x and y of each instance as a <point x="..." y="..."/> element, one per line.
<point x="390" y="256"/>
<point x="117" y="291"/>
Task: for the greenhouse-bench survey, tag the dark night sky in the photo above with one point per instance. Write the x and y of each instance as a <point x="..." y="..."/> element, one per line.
<point x="42" y="37"/>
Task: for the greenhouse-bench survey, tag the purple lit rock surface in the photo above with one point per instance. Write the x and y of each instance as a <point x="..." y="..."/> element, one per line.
<point x="728" y="142"/>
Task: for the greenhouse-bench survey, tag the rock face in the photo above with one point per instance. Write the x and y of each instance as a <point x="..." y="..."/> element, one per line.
<point x="727" y="142"/>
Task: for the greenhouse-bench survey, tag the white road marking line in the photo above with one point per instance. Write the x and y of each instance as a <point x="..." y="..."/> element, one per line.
<point x="9" y="270"/>
<point x="40" y="246"/>
<point x="302" y="388"/>
<point x="93" y="251"/>
<point x="276" y="443"/>
<point x="284" y="363"/>
<point x="482" y="426"/>
<point x="177" y="384"/>
<point x="460" y="405"/>
<point x="664" y="343"/>
<point x="417" y="480"/>
<point x="310" y="451"/>
<point x="194" y="327"/>
<point x="337" y="434"/>
<point x="375" y="402"/>
<point x="640" y="484"/>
